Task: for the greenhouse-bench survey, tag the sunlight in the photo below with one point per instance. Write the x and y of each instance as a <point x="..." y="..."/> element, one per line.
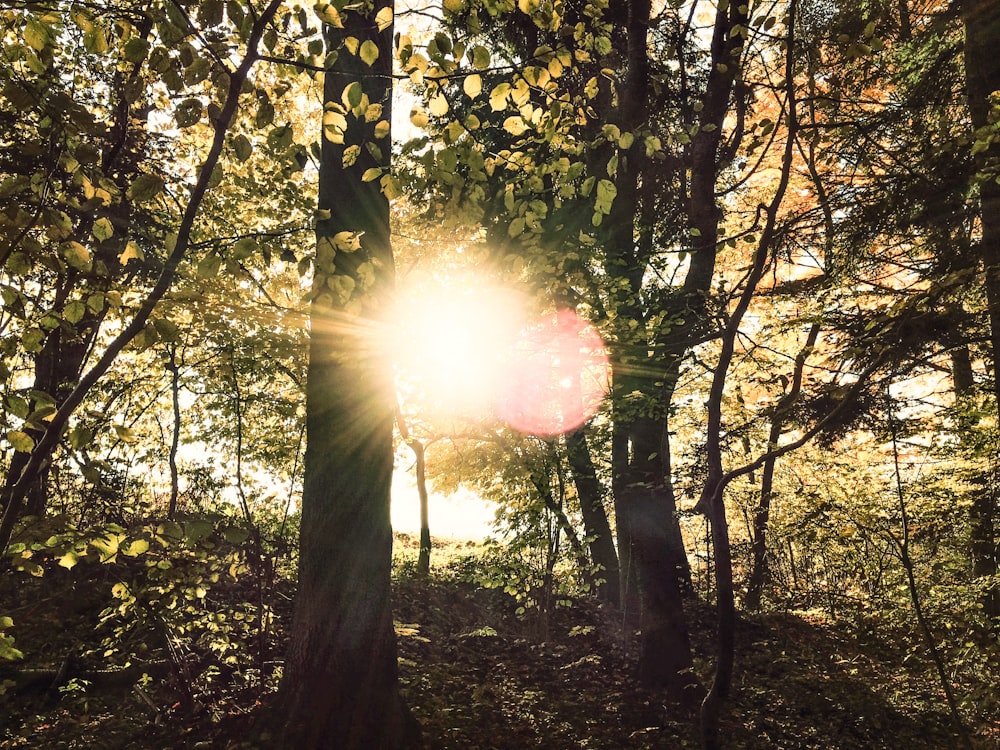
<point x="450" y="342"/>
<point x="471" y="352"/>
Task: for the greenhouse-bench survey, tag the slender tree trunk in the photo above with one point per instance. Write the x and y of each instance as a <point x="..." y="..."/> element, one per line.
<point x="759" y="573"/>
<point x="175" y="435"/>
<point x="419" y="457"/>
<point x="982" y="73"/>
<point x="595" y="517"/>
<point x="424" y="558"/>
<point x="340" y="687"/>
<point x="712" y="500"/>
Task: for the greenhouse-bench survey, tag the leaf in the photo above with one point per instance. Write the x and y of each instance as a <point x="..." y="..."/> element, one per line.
<point x="145" y="187"/>
<point x="103" y="229"/>
<point x="473" y="85"/>
<point x="515" y="125"/>
<point x="74" y="311"/>
<point x="244" y="248"/>
<point x="480" y="57"/>
<point x="334" y="126"/>
<point x="371" y="174"/>
<point x="80" y="437"/>
<point x="76" y="255"/>
<point x="419" y="118"/>
<point x="382" y="129"/>
<point x="125" y="434"/>
<point x="243" y="147"/>
<point x="20" y="441"/>
<point x="208" y="267"/>
<point x="136" y="49"/>
<point x="188" y="113"/>
<point x="69" y="560"/>
<point x="132" y="250"/>
<point x="351" y="95"/>
<point x="438" y="105"/>
<point x="136" y="548"/>
<point x="383" y="19"/>
<point x="369" y="52"/>
<point x="36" y="35"/>
<point x="498" y="97"/>
<point x="329" y="14"/>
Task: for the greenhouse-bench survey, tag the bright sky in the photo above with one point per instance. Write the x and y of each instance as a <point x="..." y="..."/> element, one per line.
<point x="464" y="515"/>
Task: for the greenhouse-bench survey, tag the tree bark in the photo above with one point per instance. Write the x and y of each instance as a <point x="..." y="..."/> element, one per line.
<point x="595" y="518"/>
<point x="649" y="534"/>
<point x="982" y="73"/>
<point x="339" y="690"/>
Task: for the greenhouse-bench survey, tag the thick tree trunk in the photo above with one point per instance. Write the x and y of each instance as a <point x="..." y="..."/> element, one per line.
<point x="650" y="542"/>
<point x="340" y="689"/>
<point x="982" y="72"/>
<point x="595" y="517"/>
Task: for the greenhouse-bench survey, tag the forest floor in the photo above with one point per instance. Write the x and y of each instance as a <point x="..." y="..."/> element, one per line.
<point x="478" y="677"/>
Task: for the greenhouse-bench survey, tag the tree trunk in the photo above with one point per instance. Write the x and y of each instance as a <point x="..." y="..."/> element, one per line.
<point x="982" y="73"/>
<point x="595" y="517"/>
<point x="340" y="689"/>
<point x="644" y="500"/>
<point x="759" y="573"/>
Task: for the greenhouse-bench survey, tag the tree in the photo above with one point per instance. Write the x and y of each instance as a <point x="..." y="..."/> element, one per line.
<point x="982" y="75"/>
<point x="339" y="687"/>
<point x="173" y="26"/>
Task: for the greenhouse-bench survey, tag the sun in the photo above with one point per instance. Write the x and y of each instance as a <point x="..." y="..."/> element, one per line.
<point x="468" y="351"/>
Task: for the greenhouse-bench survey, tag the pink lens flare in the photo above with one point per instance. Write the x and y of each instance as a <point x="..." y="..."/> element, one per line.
<point x="557" y="376"/>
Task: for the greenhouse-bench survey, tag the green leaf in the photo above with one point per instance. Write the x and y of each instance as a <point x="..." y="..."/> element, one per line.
<point x="69" y="560"/>
<point x="208" y="267"/>
<point x="145" y="187"/>
<point x="36" y="35"/>
<point x="74" y="311"/>
<point x="480" y="57"/>
<point x="20" y="441"/>
<point x="103" y="229"/>
<point x="80" y="437"/>
<point x="369" y="52"/>
<point x="188" y="113"/>
<point x="136" y="49"/>
<point x="243" y="147"/>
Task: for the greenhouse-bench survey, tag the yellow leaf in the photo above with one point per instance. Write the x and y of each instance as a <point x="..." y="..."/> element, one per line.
<point x="473" y="85"/>
<point x="383" y="19"/>
<point x="329" y="14"/>
<point x="373" y="173"/>
<point x="419" y="118"/>
<point x="382" y="129"/>
<point x="438" y="105"/>
<point x="514" y="125"/>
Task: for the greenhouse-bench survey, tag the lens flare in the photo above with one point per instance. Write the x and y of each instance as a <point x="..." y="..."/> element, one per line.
<point x="469" y="352"/>
<point x="556" y="377"/>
